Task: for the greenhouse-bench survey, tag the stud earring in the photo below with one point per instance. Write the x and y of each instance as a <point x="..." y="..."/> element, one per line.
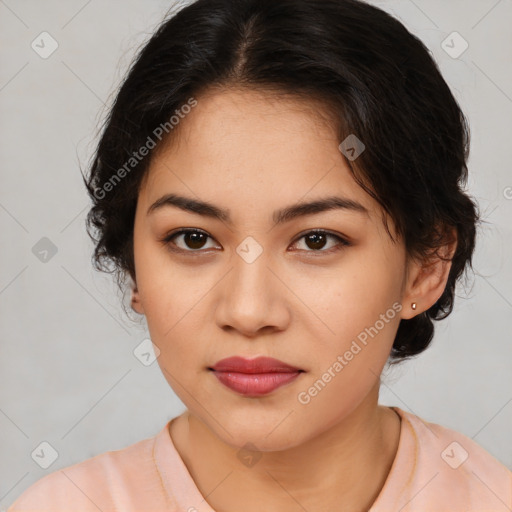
<point x="413" y="305"/>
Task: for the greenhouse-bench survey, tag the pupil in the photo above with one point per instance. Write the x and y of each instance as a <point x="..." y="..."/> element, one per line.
<point x="193" y="240"/>
<point x="317" y="239"/>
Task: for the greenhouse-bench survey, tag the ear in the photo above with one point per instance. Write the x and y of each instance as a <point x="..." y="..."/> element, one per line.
<point x="136" y="303"/>
<point x="426" y="277"/>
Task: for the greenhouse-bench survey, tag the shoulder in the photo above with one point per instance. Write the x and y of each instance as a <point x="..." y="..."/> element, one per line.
<point x="449" y="465"/>
<point x="102" y="482"/>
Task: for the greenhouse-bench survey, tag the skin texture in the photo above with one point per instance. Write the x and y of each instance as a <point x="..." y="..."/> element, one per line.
<point x="251" y="154"/>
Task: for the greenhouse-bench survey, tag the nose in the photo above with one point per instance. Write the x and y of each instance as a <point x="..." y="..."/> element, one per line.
<point x="253" y="299"/>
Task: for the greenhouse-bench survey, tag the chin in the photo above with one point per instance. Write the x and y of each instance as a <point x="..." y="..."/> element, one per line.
<point x="262" y="437"/>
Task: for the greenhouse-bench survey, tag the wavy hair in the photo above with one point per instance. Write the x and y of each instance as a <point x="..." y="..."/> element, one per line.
<point x="375" y="79"/>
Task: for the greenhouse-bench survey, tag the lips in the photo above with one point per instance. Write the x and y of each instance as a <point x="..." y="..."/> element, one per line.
<point x="254" y="377"/>
<point x="257" y="365"/>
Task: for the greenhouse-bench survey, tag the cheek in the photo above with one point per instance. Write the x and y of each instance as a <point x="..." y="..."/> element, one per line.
<point x="359" y="308"/>
<point x="174" y="309"/>
<point x="167" y="290"/>
<point x="172" y="316"/>
<point x="360" y="312"/>
<point x="174" y="328"/>
<point x="349" y="298"/>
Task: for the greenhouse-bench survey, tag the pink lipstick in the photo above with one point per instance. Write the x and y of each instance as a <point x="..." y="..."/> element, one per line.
<point x="254" y="377"/>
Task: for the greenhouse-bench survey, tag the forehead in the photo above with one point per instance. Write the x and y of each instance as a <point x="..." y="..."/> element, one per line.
<point x="253" y="149"/>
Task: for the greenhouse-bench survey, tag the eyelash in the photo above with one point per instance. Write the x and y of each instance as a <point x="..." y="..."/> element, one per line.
<point x="167" y="241"/>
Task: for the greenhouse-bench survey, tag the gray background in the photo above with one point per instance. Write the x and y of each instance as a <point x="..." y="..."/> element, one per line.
<point x="69" y="375"/>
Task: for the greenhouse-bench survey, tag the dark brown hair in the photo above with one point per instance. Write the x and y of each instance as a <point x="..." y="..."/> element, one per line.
<point x="376" y="78"/>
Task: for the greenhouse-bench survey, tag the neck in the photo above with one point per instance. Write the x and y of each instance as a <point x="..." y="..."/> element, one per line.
<point x="347" y="463"/>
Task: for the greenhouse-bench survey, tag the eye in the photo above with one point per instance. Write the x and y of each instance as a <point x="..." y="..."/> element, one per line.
<point x="317" y="240"/>
<point x="193" y="240"/>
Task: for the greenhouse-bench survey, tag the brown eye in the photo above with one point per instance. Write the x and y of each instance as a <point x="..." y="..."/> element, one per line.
<point x="318" y="239"/>
<point x="187" y="240"/>
<point x="194" y="239"/>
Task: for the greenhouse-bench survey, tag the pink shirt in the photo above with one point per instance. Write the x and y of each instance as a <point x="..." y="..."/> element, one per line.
<point x="436" y="469"/>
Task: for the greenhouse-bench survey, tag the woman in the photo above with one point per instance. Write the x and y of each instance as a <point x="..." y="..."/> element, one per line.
<point x="281" y="182"/>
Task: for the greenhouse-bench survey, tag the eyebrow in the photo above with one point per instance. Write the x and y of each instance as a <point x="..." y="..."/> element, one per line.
<point x="281" y="216"/>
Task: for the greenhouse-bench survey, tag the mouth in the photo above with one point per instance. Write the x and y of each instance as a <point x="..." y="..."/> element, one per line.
<point x="254" y="377"/>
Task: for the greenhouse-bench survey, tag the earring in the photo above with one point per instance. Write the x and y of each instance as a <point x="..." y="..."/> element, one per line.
<point x="413" y="305"/>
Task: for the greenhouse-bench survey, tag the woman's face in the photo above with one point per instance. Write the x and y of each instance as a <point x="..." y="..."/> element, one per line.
<point x="251" y="286"/>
